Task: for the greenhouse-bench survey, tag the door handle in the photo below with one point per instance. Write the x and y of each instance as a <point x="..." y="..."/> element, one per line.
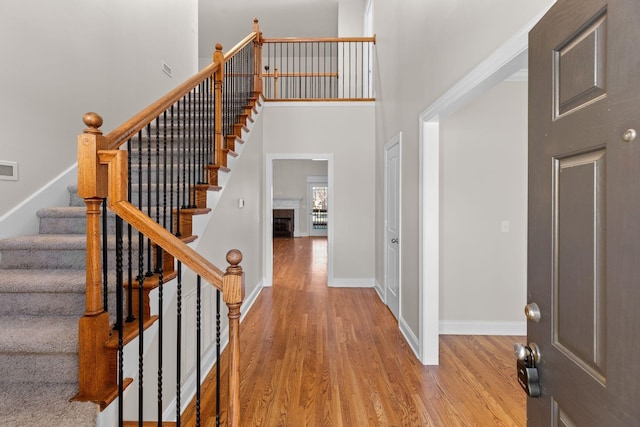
<point x="395" y="240"/>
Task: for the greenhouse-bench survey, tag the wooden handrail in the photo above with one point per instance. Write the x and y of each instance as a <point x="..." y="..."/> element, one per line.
<point x="116" y="160"/>
<point x="238" y="47"/>
<point x="125" y="131"/>
<point x="319" y="39"/>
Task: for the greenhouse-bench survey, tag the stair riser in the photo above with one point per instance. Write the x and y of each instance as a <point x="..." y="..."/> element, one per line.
<point x="42" y="304"/>
<point x="53" y="259"/>
<point x="50" y="303"/>
<point x="69" y="225"/>
<point x="39" y="368"/>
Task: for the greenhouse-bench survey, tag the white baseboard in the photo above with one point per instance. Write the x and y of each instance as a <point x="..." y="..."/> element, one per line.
<point x="411" y="338"/>
<point x="22" y="219"/>
<point x="352" y="283"/>
<point x="379" y="291"/>
<point x="455" y="327"/>
<point x="250" y="299"/>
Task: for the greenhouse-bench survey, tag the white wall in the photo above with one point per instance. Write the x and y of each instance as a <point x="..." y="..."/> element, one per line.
<point x="229" y="22"/>
<point x="483" y="183"/>
<point x="423" y="48"/>
<point x="62" y="59"/>
<point x="240" y="228"/>
<point x="290" y="180"/>
<point x="345" y="130"/>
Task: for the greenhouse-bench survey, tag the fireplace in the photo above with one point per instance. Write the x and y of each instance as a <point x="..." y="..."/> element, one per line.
<point x="283" y="222"/>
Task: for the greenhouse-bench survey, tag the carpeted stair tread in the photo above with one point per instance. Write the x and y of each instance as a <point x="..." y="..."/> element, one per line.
<point x="44" y="241"/>
<point x="54" y="281"/>
<point x="38" y="335"/>
<point x="64" y="212"/>
<point x="44" y="405"/>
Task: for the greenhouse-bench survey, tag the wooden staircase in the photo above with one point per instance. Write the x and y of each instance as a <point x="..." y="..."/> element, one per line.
<point x="154" y="173"/>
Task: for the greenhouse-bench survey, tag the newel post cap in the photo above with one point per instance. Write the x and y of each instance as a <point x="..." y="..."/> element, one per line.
<point x="93" y="121"/>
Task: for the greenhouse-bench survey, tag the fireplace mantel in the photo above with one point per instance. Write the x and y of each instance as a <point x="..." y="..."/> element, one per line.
<point x="290" y="203"/>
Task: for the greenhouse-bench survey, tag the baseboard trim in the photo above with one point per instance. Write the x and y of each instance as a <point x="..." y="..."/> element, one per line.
<point x="250" y="299"/>
<point x="412" y="340"/>
<point x="352" y="283"/>
<point x="380" y="291"/>
<point x="454" y="327"/>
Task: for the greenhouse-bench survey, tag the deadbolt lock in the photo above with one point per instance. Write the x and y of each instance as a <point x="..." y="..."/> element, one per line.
<point x="532" y="311"/>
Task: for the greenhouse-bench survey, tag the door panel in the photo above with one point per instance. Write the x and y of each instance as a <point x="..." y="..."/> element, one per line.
<point x="584" y="212"/>
<point x="392" y="227"/>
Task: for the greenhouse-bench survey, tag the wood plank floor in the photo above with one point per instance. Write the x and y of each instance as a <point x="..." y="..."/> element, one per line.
<point x="318" y="356"/>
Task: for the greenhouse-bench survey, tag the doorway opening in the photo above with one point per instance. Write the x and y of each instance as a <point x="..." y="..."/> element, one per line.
<point x="287" y="183"/>
<point x="503" y="63"/>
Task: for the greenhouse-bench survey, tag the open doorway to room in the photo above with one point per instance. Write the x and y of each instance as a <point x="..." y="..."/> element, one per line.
<point x="439" y="234"/>
<point x="299" y="208"/>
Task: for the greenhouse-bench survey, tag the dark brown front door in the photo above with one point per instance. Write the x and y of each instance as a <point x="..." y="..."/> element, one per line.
<point x="584" y="213"/>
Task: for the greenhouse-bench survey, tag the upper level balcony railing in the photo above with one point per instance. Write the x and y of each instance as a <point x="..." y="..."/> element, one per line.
<point x="297" y="69"/>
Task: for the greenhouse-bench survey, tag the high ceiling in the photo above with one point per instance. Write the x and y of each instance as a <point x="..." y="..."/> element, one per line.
<point x="228" y="21"/>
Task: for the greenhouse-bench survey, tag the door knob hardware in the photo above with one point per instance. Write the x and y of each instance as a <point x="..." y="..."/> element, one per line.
<point x="395" y="240"/>
<point x="521" y="351"/>
<point x="629" y="135"/>
<point x="532" y="311"/>
<point x="524" y="352"/>
<point x="535" y="352"/>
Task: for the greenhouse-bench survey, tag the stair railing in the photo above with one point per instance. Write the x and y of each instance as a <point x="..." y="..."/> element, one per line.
<point x="153" y="174"/>
<point x="318" y="69"/>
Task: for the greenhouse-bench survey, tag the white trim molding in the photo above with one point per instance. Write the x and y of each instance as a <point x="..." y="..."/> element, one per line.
<point x="508" y="59"/>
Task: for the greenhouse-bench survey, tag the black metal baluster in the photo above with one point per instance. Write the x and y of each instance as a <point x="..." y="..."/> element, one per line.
<point x="105" y="262"/>
<point x="217" y="357"/>
<point x="141" y="278"/>
<point x="164" y="171"/>
<point x="157" y="175"/>
<point x="119" y="315"/>
<point x="178" y="343"/>
<point x="160" y="256"/>
<point x="198" y="347"/>
<point x="179" y="206"/>
<point x="130" y="316"/>
<point x="149" y="272"/>
<point x="171" y="176"/>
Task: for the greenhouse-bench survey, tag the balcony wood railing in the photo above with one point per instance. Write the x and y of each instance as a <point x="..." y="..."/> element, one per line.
<point x="318" y="69"/>
<point x="148" y="177"/>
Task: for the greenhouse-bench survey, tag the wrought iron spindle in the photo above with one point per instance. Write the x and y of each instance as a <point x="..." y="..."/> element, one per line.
<point x="218" y="357"/>
<point x="119" y="323"/>
<point x="198" y="346"/>
<point x="105" y="262"/>
<point x="159" y="257"/>
<point x="178" y="343"/>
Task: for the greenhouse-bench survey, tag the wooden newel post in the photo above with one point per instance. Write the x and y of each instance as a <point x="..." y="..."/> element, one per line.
<point x="233" y="294"/>
<point x="93" y="327"/>
<point x="257" y="52"/>
<point x="218" y="79"/>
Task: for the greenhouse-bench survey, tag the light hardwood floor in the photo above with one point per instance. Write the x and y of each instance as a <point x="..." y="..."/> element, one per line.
<point x="318" y="356"/>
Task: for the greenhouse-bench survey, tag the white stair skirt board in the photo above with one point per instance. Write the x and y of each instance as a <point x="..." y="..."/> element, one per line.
<point x="22" y="219"/>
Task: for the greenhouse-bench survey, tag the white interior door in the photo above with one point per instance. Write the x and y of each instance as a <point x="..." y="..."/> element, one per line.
<point x="318" y="207"/>
<point x="392" y="225"/>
